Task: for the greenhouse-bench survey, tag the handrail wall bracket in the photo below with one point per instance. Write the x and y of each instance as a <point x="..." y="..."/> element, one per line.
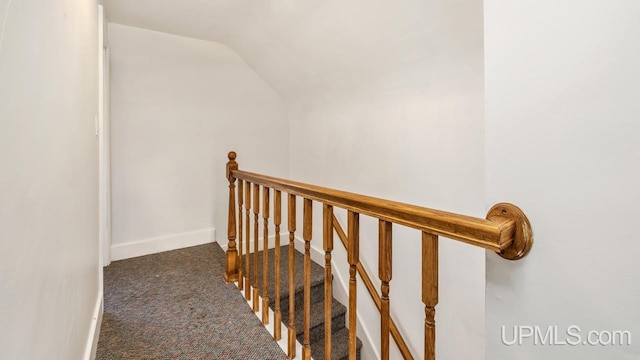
<point x="521" y="241"/>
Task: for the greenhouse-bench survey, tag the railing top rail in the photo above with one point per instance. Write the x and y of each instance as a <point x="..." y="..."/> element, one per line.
<point x="496" y="233"/>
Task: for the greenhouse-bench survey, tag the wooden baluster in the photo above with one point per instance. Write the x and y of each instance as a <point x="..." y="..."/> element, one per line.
<point x="277" y="219"/>
<point x="247" y="207"/>
<point x="231" y="271"/>
<point x="240" y="254"/>
<point x="265" y="256"/>
<point x="327" y="230"/>
<point x="430" y="292"/>
<point x="352" y="257"/>
<point x="256" y="207"/>
<point x="291" y="222"/>
<point x="395" y="333"/>
<point x="306" y="234"/>
<point x="384" y="272"/>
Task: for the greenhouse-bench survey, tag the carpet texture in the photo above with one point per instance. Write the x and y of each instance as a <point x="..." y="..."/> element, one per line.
<point x="340" y="335"/>
<point x="175" y="305"/>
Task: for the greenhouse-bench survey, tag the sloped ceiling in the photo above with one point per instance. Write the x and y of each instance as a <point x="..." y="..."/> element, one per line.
<point x="394" y="87"/>
<point x="301" y="46"/>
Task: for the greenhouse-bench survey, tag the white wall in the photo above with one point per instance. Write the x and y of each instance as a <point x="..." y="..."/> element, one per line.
<point x="49" y="178"/>
<point x="563" y="142"/>
<point x="396" y="111"/>
<point x="178" y="106"/>
<point x="384" y="98"/>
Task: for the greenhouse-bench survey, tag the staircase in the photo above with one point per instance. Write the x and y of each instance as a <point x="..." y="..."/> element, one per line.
<point x="505" y="230"/>
<point x="339" y="333"/>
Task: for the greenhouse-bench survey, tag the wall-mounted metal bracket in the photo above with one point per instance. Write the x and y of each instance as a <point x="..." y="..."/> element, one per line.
<point x="523" y="234"/>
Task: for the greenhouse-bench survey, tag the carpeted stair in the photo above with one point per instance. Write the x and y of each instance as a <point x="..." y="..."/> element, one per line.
<point x="339" y="333"/>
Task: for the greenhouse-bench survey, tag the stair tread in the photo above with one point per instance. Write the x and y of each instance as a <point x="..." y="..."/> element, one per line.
<point x="317" y="273"/>
<point x="339" y="346"/>
<point x="317" y="317"/>
<point x="339" y="334"/>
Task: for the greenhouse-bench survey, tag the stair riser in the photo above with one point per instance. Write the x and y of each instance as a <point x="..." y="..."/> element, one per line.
<point x="317" y="294"/>
<point x="340" y="335"/>
<point x="317" y="332"/>
<point x="358" y="356"/>
<point x="337" y="321"/>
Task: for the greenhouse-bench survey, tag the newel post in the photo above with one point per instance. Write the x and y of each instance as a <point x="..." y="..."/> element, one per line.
<point x="231" y="272"/>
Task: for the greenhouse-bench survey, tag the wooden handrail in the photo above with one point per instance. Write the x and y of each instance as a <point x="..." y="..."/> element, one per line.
<point x="506" y="230"/>
<point x="496" y="234"/>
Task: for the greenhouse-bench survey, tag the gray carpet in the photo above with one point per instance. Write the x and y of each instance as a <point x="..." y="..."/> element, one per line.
<point x="340" y="335"/>
<point x="175" y="305"/>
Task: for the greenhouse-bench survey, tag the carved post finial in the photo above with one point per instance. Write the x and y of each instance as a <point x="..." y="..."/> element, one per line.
<point x="231" y="165"/>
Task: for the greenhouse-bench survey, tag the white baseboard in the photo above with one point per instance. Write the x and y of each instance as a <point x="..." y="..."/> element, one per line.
<point x="162" y="243"/>
<point x="317" y="255"/>
<point x="94" y="330"/>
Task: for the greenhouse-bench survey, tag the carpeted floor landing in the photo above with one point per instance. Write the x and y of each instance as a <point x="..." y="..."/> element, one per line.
<point x="175" y="305"/>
